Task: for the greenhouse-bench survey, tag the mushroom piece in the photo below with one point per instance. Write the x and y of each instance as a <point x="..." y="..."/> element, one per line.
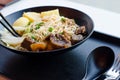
<point x="26" y="43"/>
<point x="59" y="41"/>
<point x="76" y="38"/>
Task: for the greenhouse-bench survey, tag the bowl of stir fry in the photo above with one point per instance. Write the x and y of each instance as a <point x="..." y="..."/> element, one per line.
<point x="47" y="29"/>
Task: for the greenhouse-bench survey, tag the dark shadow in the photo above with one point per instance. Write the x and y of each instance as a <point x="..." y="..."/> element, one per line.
<point x="65" y="66"/>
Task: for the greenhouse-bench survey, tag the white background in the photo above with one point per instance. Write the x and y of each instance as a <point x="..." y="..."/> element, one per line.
<point x="111" y="5"/>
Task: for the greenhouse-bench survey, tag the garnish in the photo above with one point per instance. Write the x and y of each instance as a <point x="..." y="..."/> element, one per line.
<point x="39" y="25"/>
<point x="28" y="23"/>
<point x="33" y="37"/>
<point x="63" y="19"/>
<point x="50" y="29"/>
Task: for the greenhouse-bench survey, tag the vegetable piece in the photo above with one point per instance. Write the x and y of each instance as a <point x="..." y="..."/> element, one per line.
<point x="22" y="21"/>
<point x="32" y="16"/>
<point x="49" y="13"/>
<point x="39" y="25"/>
<point x="63" y="19"/>
<point x="50" y="29"/>
<point x="33" y="37"/>
<point x="28" y="23"/>
<point x="38" y="46"/>
<point x="12" y="41"/>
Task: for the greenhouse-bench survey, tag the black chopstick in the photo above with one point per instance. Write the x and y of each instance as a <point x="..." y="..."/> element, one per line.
<point x="7" y="28"/>
<point x="13" y="32"/>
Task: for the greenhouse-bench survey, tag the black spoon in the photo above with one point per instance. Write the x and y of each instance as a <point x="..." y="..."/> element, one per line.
<point x="98" y="62"/>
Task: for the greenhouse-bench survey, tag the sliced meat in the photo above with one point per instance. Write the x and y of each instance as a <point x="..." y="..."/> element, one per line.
<point x="26" y="43"/>
<point x="80" y="30"/>
<point x="76" y="38"/>
<point x="59" y="41"/>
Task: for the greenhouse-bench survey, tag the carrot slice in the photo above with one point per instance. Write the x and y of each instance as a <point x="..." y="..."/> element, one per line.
<point x="38" y="46"/>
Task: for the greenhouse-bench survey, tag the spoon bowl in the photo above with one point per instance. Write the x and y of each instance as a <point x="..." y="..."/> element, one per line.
<point x="98" y="62"/>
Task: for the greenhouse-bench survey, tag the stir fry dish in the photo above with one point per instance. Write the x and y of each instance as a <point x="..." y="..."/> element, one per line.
<point x="45" y="31"/>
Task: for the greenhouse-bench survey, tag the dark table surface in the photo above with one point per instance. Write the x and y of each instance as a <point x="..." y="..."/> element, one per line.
<point x="64" y="66"/>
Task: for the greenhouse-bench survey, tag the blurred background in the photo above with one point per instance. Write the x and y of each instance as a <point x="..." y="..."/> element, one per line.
<point x="111" y="5"/>
<point x="4" y="3"/>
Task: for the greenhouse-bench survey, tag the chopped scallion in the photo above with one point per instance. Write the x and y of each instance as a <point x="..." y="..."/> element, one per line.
<point x="39" y="25"/>
<point x="33" y="37"/>
<point x="63" y="19"/>
<point x="50" y="29"/>
<point x="29" y="23"/>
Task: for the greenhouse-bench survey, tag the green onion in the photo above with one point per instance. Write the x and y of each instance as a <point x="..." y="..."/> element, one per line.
<point x="29" y="23"/>
<point x="39" y="25"/>
<point x="50" y="29"/>
<point x="27" y="30"/>
<point x="33" y="37"/>
<point x="63" y="19"/>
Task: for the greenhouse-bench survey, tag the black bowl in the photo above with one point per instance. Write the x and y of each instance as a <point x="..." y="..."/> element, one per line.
<point x="79" y="17"/>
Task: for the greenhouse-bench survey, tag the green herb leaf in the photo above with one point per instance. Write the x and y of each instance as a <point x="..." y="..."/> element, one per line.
<point x="50" y="29"/>
<point x="37" y="27"/>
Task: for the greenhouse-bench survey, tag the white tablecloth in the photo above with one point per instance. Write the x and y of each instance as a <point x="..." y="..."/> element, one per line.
<point x="105" y="21"/>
